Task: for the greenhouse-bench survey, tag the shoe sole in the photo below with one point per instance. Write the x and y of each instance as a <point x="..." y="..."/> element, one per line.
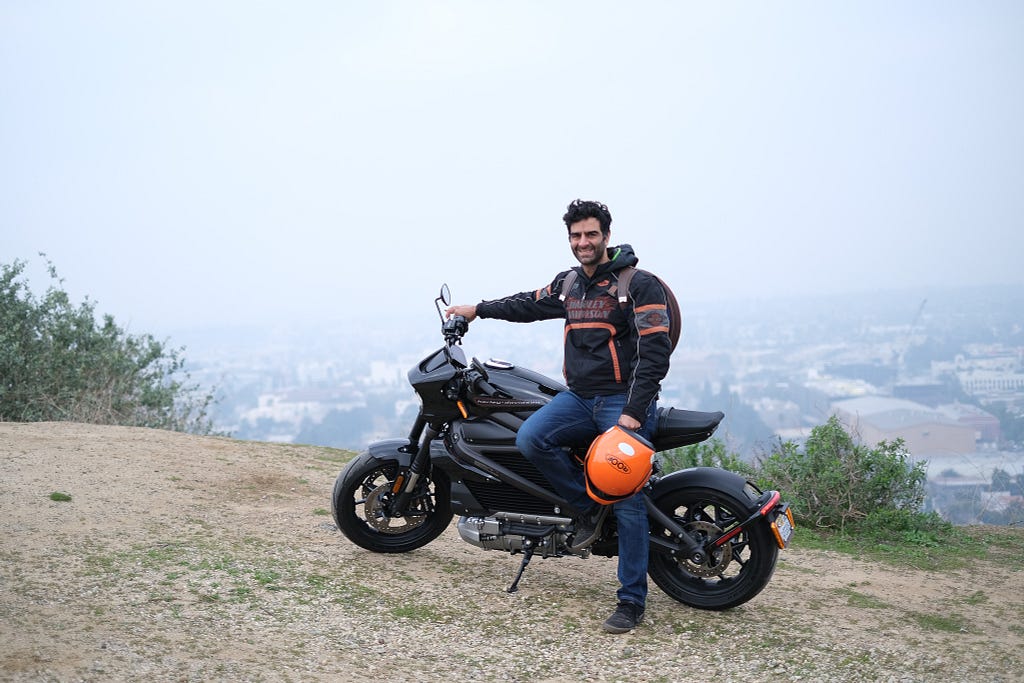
<point x="621" y="629"/>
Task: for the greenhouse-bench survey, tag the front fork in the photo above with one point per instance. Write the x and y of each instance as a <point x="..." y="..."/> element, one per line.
<point x="406" y="481"/>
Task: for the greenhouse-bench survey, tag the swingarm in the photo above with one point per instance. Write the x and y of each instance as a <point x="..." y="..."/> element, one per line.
<point x="683" y="544"/>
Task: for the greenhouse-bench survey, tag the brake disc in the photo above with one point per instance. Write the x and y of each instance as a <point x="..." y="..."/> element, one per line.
<point x="715" y="562"/>
<point x="375" y="511"/>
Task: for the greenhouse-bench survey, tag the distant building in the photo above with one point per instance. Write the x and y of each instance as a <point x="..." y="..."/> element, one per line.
<point x="928" y="393"/>
<point x="992" y="385"/>
<point x="985" y="424"/>
<point x="923" y="430"/>
<point x="992" y="373"/>
<point x="838" y="387"/>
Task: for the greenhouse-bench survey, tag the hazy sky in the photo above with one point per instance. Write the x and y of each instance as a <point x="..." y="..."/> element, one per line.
<point x="191" y="162"/>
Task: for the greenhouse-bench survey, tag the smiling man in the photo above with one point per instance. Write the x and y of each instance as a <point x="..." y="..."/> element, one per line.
<point x="617" y="350"/>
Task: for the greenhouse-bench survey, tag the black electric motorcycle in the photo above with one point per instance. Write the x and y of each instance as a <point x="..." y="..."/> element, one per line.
<point x="715" y="536"/>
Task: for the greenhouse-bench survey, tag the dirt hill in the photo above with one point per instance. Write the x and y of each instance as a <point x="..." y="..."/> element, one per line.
<point x="194" y="558"/>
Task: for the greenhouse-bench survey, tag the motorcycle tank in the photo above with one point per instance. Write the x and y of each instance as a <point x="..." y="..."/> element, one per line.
<point x="522" y="383"/>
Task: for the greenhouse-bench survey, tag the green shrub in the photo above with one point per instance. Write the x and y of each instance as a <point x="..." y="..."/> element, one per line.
<point x="834" y="481"/>
<point x="57" y="363"/>
<point x="711" y="453"/>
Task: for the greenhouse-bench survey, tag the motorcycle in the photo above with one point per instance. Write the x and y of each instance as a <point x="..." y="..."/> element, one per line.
<point x="714" y="536"/>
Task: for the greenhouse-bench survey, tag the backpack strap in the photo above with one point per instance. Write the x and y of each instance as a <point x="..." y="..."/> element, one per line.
<point x="567" y="283"/>
<point x="625" y="277"/>
<point x="671" y="304"/>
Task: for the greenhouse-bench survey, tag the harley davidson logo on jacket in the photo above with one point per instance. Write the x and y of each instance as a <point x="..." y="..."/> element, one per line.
<point x="589" y="309"/>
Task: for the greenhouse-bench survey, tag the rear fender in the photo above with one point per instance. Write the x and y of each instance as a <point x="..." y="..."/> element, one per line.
<point x="712" y="478"/>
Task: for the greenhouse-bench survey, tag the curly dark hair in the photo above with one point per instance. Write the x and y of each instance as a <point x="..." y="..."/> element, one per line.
<point x="581" y="209"/>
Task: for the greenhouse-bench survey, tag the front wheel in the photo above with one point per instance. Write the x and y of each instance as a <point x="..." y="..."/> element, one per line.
<point x="360" y="507"/>
<point x="728" y="577"/>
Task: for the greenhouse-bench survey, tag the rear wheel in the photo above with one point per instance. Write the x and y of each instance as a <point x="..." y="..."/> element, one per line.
<point x="360" y="503"/>
<point x="731" y="575"/>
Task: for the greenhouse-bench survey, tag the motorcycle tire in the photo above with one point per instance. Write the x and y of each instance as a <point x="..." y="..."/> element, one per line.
<point x="359" y="500"/>
<point x="734" y="574"/>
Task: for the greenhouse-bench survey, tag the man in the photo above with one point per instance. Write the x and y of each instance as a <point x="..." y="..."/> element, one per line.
<point x="615" y="359"/>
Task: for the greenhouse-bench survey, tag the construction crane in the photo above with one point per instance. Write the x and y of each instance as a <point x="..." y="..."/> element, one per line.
<point x="902" y="349"/>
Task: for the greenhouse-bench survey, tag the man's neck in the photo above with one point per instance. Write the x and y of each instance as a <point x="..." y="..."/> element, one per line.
<point x="590" y="270"/>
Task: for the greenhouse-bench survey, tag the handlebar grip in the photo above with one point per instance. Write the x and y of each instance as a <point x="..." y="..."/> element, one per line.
<point x="485" y="387"/>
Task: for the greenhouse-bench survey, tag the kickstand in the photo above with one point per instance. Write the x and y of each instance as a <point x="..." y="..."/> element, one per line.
<point x="528" y="549"/>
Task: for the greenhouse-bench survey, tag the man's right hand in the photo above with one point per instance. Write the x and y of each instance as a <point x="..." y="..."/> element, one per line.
<point x="466" y="311"/>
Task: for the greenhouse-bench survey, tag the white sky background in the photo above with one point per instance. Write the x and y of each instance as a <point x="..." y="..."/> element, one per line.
<point x="188" y="163"/>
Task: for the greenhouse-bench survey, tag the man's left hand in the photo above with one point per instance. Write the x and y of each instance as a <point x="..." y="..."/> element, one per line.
<point x="628" y="422"/>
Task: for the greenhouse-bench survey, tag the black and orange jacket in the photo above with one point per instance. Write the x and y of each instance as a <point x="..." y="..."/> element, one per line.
<point x="609" y="349"/>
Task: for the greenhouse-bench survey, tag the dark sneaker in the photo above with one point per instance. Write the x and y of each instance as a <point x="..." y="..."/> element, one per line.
<point x="588" y="529"/>
<point x="624" y="619"/>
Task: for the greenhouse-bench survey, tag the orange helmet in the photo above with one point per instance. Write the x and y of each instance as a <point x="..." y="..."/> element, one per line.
<point x="617" y="465"/>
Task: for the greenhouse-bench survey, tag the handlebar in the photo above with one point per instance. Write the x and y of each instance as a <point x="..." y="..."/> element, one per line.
<point x="454" y="329"/>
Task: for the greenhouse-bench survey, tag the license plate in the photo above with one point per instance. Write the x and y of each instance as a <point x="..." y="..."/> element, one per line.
<point x="783" y="526"/>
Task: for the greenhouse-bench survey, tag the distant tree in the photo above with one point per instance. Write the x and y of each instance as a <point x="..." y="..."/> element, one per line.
<point x="58" y="363"/>
<point x="1001" y="480"/>
<point x="742" y="425"/>
<point x="1011" y="424"/>
<point x="338" y="429"/>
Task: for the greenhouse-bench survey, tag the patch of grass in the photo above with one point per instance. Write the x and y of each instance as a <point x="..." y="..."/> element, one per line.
<point x="857" y="599"/>
<point x="950" y="623"/>
<point x="688" y="626"/>
<point x="1000" y="540"/>
<point x="321" y="512"/>
<point x="958" y="547"/>
<point x="334" y="455"/>
<point x="452" y="566"/>
<point x="267" y="578"/>
<point x="60" y="497"/>
<point x="318" y="582"/>
<point x="976" y="598"/>
<point x="858" y="659"/>
<point x="162" y="554"/>
<point x="99" y="564"/>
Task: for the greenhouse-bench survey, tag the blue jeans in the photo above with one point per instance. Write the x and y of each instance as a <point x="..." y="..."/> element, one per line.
<point x="570" y="420"/>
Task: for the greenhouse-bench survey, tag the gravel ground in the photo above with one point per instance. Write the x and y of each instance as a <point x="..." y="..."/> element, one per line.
<point x="183" y="558"/>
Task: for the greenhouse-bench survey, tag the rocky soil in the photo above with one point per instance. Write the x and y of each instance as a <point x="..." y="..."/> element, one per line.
<point x="184" y="558"/>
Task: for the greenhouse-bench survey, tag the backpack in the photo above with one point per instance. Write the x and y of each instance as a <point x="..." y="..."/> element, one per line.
<point x="675" y="322"/>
